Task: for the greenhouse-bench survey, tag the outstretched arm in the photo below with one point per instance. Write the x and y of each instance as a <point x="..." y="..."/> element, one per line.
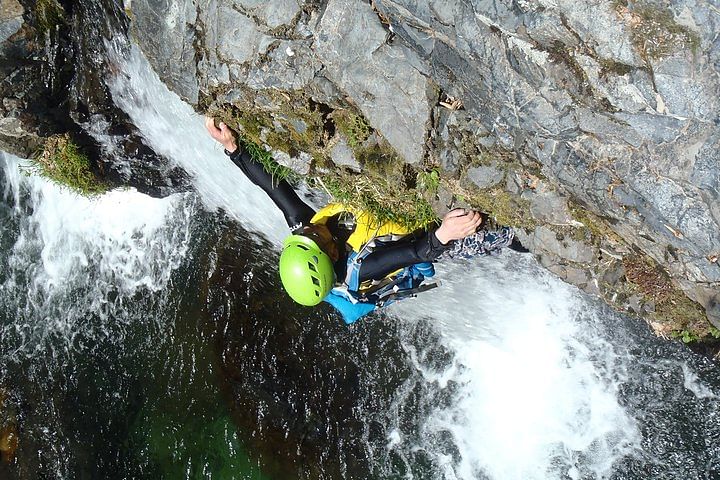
<point x="296" y="211"/>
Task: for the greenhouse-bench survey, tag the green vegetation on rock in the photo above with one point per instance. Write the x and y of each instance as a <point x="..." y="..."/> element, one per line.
<point x="355" y="128"/>
<point x="381" y="198"/>
<point x="655" y="32"/>
<point x="62" y="162"/>
<point x="48" y="15"/>
<point x="675" y="314"/>
<point x="291" y="124"/>
<point x="262" y="156"/>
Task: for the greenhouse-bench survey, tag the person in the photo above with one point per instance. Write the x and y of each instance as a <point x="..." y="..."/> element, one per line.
<point x="341" y="256"/>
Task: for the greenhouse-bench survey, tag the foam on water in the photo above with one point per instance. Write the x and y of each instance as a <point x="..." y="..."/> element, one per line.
<point x="172" y="128"/>
<point x="75" y="256"/>
<point x="539" y="395"/>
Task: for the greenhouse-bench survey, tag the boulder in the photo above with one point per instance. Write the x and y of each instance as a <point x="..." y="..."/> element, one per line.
<point x="381" y="79"/>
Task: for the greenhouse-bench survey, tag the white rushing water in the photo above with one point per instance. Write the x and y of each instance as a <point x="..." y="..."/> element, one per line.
<point x="76" y="256"/>
<point x="538" y="400"/>
<point x="173" y="129"/>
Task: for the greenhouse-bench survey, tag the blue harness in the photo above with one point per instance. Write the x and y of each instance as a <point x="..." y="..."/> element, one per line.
<point x="354" y="300"/>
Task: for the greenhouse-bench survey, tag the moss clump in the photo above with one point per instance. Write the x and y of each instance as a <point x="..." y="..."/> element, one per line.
<point x="608" y="67"/>
<point x="262" y="156"/>
<point x="288" y="122"/>
<point x="507" y="209"/>
<point x="384" y="200"/>
<point x="48" y="15"/>
<point x="595" y="230"/>
<point x="675" y="314"/>
<point x="655" y="32"/>
<point x="354" y="126"/>
<point x="62" y="162"/>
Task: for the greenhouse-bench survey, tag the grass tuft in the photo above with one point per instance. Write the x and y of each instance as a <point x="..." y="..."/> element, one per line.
<point x="355" y="128"/>
<point x="383" y="200"/>
<point x="262" y="156"/>
<point x="62" y="162"/>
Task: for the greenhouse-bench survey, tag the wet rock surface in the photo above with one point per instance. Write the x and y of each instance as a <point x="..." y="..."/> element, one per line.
<point x="53" y="82"/>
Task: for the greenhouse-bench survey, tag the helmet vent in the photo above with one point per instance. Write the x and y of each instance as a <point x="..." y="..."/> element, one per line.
<point x="311" y="266"/>
<point x="315" y="259"/>
<point x="302" y="247"/>
<point x="316" y="281"/>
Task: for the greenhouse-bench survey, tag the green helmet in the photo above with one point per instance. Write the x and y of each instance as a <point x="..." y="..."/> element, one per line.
<point x="305" y="270"/>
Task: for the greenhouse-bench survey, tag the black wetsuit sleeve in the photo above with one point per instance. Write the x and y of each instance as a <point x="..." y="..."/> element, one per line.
<point x="296" y="211"/>
<point x="383" y="261"/>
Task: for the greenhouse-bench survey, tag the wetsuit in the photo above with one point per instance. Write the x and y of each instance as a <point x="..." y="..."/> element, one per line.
<point x="422" y="248"/>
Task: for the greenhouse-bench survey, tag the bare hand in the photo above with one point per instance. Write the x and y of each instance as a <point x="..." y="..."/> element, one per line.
<point x="224" y="135"/>
<point x="457" y="224"/>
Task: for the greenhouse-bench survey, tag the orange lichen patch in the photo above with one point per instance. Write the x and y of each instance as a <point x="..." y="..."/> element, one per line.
<point x="9" y="442"/>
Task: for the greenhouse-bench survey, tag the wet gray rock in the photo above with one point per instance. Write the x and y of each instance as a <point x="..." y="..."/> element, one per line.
<point x="549" y="207"/>
<point x="486" y="176"/>
<point x="342" y="155"/>
<point x="380" y="78"/>
<point x="299" y="163"/>
<point x="545" y="239"/>
<point x="238" y="37"/>
<point x="165" y="31"/>
<point x="271" y="14"/>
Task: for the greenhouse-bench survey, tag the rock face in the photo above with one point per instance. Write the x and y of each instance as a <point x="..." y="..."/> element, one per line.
<point x="53" y="71"/>
<point x="619" y="106"/>
<point x="16" y="135"/>
<point x="614" y="106"/>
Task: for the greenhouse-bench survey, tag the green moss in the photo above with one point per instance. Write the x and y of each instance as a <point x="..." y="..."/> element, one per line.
<point x="611" y="67"/>
<point x="48" y="15"/>
<point x="381" y="161"/>
<point x="594" y="229"/>
<point x="262" y="156"/>
<point x="353" y="125"/>
<point x="560" y="53"/>
<point x="656" y="34"/>
<point x="507" y="209"/>
<point x="290" y="123"/>
<point x="62" y="162"/>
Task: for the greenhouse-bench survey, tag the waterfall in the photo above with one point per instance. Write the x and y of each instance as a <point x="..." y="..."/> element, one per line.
<point x="173" y="129"/>
<point x="74" y="256"/>
<point x="540" y="382"/>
